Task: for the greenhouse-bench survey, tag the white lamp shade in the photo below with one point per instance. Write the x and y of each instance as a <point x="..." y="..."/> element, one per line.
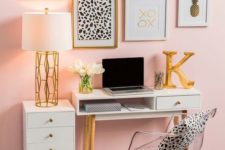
<point x="46" y="32"/>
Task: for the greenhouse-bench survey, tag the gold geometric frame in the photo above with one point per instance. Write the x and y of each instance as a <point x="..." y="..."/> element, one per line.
<point x="94" y="47"/>
<point x="46" y="78"/>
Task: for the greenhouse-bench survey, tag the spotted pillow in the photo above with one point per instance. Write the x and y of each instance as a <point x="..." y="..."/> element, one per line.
<point x="185" y="132"/>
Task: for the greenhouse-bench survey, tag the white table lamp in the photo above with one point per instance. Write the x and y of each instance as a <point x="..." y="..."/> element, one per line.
<point x="46" y="33"/>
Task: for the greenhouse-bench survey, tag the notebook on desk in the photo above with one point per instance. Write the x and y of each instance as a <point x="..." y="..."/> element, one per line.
<point x="124" y="76"/>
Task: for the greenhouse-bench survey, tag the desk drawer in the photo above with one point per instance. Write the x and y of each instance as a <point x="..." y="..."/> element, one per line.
<point x="63" y="145"/>
<point x="178" y="102"/>
<point x="39" y="120"/>
<point x="53" y="135"/>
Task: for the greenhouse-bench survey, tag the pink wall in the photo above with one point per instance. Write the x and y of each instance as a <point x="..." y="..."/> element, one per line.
<point x="17" y="73"/>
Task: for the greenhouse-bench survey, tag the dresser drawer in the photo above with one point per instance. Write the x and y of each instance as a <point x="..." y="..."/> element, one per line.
<point x="39" y="120"/>
<point x="53" y="135"/>
<point x="178" y="102"/>
<point x="52" y="146"/>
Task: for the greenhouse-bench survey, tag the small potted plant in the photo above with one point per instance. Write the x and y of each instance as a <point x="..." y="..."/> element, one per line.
<point x="86" y="72"/>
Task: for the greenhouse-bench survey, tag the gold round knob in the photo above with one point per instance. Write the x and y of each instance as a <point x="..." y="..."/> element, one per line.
<point x="177" y="103"/>
<point x="50" y="135"/>
<point x="50" y="120"/>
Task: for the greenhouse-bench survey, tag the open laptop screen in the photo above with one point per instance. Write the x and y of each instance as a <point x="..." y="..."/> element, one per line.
<point x="122" y="72"/>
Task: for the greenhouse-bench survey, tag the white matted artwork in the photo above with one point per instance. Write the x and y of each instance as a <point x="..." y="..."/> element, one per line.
<point x="145" y="20"/>
<point x="193" y="13"/>
<point x="95" y="23"/>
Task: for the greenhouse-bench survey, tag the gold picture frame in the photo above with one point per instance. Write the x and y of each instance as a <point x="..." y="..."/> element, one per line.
<point x="114" y="40"/>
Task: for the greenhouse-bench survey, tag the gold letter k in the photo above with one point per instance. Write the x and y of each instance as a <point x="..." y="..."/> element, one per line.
<point x="176" y="69"/>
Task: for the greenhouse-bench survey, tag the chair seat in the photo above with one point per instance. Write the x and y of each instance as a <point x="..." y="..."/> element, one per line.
<point x="151" y="141"/>
<point x="189" y="133"/>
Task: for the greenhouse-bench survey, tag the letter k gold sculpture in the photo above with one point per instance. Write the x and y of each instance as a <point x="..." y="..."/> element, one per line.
<point x="170" y="68"/>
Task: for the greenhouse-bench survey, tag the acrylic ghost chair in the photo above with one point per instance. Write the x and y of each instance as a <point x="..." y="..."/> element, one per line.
<point x="188" y="133"/>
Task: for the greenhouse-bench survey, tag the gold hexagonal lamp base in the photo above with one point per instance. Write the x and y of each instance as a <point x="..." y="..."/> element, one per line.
<point x="46" y="78"/>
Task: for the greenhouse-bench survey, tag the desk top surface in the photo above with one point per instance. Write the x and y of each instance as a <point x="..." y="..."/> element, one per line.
<point x="101" y="94"/>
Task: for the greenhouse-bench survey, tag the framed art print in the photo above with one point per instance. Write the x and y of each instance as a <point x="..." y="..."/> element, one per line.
<point x="193" y="13"/>
<point x="95" y="23"/>
<point x="145" y="20"/>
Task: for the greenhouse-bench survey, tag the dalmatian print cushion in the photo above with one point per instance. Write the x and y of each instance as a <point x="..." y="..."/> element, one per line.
<point x="186" y="131"/>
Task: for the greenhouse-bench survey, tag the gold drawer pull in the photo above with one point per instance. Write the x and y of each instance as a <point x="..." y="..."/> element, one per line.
<point x="50" y="148"/>
<point x="50" y="135"/>
<point x="177" y="103"/>
<point x="50" y="120"/>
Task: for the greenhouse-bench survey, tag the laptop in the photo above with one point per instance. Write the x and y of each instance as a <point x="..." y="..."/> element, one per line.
<point x="124" y="76"/>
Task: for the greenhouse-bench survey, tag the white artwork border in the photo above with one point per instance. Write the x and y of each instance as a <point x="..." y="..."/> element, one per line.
<point x="145" y="20"/>
<point x="185" y="19"/>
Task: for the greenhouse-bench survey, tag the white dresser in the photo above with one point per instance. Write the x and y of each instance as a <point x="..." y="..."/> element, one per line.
<point x="50" y="128"/>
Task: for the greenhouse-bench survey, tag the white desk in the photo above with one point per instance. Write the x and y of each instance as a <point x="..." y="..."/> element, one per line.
<point x="162" y="103"/>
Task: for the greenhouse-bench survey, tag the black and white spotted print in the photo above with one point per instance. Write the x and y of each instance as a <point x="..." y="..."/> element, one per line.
<point x="186" y="131"/>
<point x="94" y="19"/>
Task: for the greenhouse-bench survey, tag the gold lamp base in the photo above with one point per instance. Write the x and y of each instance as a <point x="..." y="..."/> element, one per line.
<point x="46" y="78"/>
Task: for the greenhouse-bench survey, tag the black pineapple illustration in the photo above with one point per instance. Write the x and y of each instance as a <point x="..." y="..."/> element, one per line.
<point x="195" y="8"/>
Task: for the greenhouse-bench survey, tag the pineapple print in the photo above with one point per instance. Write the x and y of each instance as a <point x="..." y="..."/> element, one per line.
<point x="195" y="8"/>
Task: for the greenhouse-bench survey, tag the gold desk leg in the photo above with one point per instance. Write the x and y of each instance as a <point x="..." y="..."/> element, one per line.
<point x="183" y="116"/>
<point x="89" y="133"/>
<point x="92" y="139"/>
<point x="176" y="119"/>
<point x="86" y="133"/>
